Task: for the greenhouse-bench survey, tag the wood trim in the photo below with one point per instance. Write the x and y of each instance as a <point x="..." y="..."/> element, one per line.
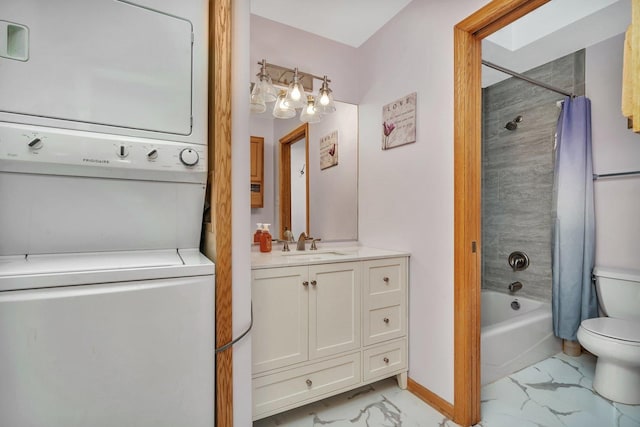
<point x="257" y="170"/>
<point x="468" y="35"/>
<point x="284" y="175"/>
<point x="429" y="397"/>
<point x="484" y="20"/>
<point x="467" y="57"/>
<point x="285" y="189"/>
<point x="635" y="65"/>
<point x="220" y="149"/>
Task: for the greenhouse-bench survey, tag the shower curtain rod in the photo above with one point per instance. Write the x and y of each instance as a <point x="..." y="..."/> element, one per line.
<point x="526" y="79"/>
<point x="607" y="175"/>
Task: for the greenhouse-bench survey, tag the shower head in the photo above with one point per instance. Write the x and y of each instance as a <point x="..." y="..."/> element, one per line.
<point x="513" y="124"/>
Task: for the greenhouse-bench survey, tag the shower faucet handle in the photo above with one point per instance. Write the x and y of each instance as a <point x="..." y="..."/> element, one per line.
<point x="518" y="260"/>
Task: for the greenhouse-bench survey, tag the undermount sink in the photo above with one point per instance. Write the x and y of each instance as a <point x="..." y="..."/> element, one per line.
<point x="315" y="254"/>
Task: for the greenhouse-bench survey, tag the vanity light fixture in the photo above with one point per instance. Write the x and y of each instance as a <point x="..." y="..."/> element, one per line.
<point x="282" y="109"/>
<point x="309" y="113"/>
<point x="324" y="101"/>
<point x="262" y="91"/>
<point x="295" y="97"/>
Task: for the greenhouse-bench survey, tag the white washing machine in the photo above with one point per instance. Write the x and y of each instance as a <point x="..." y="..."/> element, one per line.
<point x="107" y="339"/>
<point x="106" y="304"/>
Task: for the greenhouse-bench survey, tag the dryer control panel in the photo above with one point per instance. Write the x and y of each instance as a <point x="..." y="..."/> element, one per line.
<point x="40" y="150"/>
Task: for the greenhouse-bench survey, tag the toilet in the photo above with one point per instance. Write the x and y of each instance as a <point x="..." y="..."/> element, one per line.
<point x="615" y="339"/>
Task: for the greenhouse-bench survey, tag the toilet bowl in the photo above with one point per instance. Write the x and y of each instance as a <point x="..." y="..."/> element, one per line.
<point x="615" y="339"/>
<point x="616" y="342"/>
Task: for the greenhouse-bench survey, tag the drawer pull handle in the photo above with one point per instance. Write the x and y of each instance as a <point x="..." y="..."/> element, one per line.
<point x="386" y="320"/>
<point x="313" y="283"/>
<point x="386" y="360"/>
<point x="309" y="383"/>
<point x="305" y="283"/>
<point x="386" y="280"/>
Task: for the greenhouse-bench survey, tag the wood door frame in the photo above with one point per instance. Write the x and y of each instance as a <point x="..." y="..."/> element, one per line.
<point x="219" y="143"/>
<point x="292" y="137"/>
<point x="468" y="35"/>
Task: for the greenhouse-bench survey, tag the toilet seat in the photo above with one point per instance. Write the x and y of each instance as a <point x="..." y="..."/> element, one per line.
<point x="618" y="329"/>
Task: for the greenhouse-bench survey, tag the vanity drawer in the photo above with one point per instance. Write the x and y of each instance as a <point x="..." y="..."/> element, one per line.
<point x="385" y="282"/>
<point x="288" y="388"/>
<point x="385" y="359"/>
<point x="383" y="324"/>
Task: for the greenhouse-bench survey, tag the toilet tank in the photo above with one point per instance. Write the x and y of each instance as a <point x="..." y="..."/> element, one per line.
<point x="618" y="292"/>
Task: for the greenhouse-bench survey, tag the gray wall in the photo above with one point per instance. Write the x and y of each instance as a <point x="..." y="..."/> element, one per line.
<point x="517" y="174"/>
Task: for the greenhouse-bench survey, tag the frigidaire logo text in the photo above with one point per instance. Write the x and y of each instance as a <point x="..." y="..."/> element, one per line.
<point x="95" y="161"/>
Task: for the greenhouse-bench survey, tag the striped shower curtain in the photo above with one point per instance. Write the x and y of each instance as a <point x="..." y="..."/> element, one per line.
<point x="573" y="298"/>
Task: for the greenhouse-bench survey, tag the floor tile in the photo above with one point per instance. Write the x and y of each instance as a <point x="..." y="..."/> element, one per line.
<point x="556" y="392"/>
<point x="381" y="404"/>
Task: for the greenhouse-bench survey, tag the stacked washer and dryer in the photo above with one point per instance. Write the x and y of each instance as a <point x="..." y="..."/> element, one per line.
<point x="106" y="303"/>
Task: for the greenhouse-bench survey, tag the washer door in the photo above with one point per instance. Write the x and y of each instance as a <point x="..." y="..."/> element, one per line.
<point x="123" y="354"/>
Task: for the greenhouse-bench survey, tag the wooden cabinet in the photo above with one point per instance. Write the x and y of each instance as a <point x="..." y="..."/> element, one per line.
<point x="320" y="330"/>
<point x="257" y="172"/>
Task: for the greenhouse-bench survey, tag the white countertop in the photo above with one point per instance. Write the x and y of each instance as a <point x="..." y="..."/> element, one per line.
<point x="324" y="254"/>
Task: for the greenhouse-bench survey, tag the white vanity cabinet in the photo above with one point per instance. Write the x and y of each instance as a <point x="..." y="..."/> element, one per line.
<point x="303" y="313"/>
<point x="326" y="327"/>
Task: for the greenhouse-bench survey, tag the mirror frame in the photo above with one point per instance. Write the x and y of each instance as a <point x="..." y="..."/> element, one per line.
<point x="286" y="141"/>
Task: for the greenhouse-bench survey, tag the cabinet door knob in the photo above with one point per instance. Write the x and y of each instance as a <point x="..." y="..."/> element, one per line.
<point x="313" y="283"/>
<point x="386" y="280"/>
<point x="309" y="383"/>
<point x="386" y="360"/>
<point x="385" y="320"/>
<point x="305" y="283"/>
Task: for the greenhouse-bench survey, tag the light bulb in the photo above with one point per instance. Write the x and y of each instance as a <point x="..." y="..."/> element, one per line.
<point x="309" y="113"/>
<point x="295" y="93"/>
<point x="282" y="109"/>
<point x="324" y="101"/>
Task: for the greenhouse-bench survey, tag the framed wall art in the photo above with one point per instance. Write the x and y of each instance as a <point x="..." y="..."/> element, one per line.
<point x="399" y="122"/>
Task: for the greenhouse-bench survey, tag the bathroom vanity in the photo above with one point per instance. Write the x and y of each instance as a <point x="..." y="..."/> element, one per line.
<point x="325" y="322"/>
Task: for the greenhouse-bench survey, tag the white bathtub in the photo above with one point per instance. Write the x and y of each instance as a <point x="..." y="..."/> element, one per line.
<point x="514" y="339"/>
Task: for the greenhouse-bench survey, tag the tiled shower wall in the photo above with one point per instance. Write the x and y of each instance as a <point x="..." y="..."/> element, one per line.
<point x="517" y="174"/>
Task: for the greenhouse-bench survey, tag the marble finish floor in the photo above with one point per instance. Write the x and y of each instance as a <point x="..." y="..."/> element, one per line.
<point x="554" y="392"/>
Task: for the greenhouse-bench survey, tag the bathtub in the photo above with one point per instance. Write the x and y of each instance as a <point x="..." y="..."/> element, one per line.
<point x="514" y="339"/>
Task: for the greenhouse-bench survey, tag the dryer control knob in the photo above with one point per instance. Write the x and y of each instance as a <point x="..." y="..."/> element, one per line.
<point x="189" y="157"/>
<point x="123" y="151"/>
<point x="35" y="144"/>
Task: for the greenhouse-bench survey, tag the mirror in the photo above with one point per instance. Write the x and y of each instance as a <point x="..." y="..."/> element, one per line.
<point x="294" y="181"/>
<point x="331" y="207"/>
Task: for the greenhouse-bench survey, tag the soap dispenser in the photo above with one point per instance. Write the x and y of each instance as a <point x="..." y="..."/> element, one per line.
<point x="265" y="239"/>
<point x="256" y="236"/>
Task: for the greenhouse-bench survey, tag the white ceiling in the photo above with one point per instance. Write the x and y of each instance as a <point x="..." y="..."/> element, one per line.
<point x="350" y="22"/>
<point x="555" y="29"/>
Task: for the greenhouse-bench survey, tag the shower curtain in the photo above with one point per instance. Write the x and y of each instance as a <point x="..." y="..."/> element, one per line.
<point x="573" y="297"/>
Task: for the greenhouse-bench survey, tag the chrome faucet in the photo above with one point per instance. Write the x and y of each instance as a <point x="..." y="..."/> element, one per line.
<point x="518" y="260"/>
<point x="301" y="240"/>
<point x="515" y="286"/>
